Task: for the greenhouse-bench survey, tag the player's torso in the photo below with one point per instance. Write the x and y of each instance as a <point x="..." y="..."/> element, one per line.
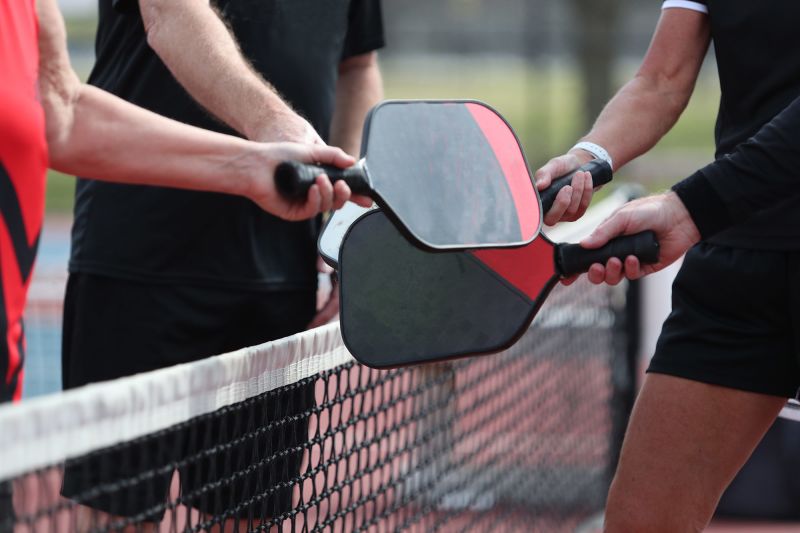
<point x="150" y="233"/>
<point x="758" y="57"/>
<point x="23" y="151"/>
<point x="23" y="162"/>
<point x="21" y="118"/>
<point x="295" y="44"/>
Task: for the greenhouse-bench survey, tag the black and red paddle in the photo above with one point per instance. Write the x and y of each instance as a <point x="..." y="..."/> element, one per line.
<point x="401" y="305"/>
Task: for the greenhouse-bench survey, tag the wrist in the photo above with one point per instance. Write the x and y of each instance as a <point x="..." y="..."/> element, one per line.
<point x="681" y="216"/>
<point x="595" y="151"/>
<point x="704" y="205"/>
<point x="264" y="124"/>
<point x="582" y="156"/>
<point x="253" y="170"/>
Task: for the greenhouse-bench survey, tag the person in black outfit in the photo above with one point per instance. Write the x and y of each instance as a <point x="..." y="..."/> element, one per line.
<point x="203" y="274"/>
<point x="727" y="357"/>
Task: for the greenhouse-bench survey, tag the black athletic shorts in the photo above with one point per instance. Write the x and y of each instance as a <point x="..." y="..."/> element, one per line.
<point x="6" y="508"/>
<point x="115" y="328"/>
<point x="735" y="320"/>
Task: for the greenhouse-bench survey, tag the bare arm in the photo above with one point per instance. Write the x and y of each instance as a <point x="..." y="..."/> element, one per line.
<point x="94" y="134"/>
<point x="216" y="74"/>
<point x="358" y="89"/>
<point x="647" y="107"/>
<point x="644" y="110"/>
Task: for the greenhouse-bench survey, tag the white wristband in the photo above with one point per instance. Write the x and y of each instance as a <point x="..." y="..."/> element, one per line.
<point x="596" y="150"/>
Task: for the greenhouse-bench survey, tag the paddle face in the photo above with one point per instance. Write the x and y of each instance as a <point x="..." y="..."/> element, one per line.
<point x="452" y="174"/>
<point x="402" y="305"/>
<point x="332" y="234"/>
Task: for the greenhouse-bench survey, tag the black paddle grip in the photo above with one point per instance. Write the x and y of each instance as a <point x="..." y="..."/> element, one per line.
<point x="573" y="259"/>
<point x="294" y="179"/>
<point x="599" y="169"/>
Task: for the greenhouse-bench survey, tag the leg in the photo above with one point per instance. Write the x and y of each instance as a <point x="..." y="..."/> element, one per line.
<point x="6" y="508"/>
<point x="685" y="442"/>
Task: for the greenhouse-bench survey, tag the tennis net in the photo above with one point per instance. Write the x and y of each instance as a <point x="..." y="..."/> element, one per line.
<point x="295" y="436"/>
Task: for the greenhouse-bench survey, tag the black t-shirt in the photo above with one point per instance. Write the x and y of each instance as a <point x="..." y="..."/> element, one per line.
<point x="758" y="59"/>
<point x="169" y="235"/>
<point x="758" y="174"/>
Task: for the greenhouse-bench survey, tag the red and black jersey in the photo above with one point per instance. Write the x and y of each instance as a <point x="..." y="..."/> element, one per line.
<point x="23" y="162"/>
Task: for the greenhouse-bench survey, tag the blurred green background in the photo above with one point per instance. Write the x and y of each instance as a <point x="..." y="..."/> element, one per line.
<point x="545" y="65"/>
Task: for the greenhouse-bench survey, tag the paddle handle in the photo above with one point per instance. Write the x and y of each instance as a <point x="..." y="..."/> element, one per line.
<point x="601" y="174"/>
<point x="573" y="259"/>
<point x="294" y="179"/>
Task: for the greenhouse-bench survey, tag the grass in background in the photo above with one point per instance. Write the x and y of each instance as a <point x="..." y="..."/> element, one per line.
<point x="544" y="107"/>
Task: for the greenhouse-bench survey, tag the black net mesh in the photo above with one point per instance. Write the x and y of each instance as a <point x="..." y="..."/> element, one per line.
<point x="524" y="440"/>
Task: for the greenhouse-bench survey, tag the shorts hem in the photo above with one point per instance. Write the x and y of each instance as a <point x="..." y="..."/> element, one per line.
<point x="730" y="382"/>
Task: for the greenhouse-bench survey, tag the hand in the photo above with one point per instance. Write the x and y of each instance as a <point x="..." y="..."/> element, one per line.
<point x="665" y="214"/>
<point x="573" y="200"/>
<point x="322" y="196"/>
<point x="327" y="300"/>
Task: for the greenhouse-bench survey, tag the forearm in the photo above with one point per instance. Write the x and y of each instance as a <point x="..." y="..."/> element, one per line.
<point x="638" y="116"/>
<point x="94" y="134"/>
<point x="358" y="89"/>
<point x="758" y="174"/>
<point x="647" y="107"/>
<point x="107" y="138"/>
<point x="212" y="69"/>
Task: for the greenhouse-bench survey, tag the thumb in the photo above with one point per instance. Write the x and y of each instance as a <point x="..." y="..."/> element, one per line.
<point x="553" y="168"/>
<point x="611" y="227"/>
<point x="329" y="155"/>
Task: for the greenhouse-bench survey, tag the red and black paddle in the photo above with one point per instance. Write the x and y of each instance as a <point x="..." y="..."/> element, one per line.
<point x="401" y="305"/>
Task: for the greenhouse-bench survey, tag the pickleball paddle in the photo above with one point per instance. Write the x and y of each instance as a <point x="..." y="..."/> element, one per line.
<point x="451" y="174"/>
<point x="330" y="239"/>
<point x="401" y="305"/>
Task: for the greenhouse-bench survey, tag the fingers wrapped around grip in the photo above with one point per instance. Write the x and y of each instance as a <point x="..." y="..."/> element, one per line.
<point x="294" y="179"/>
<point x="599" y="169"/>
<point x="573" y="259"/>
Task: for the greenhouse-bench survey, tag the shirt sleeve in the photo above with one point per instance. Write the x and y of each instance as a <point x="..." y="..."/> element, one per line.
<point x="758" y="174"/>
<point x="694" y="5"/>
<point x="364" y="29"/>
